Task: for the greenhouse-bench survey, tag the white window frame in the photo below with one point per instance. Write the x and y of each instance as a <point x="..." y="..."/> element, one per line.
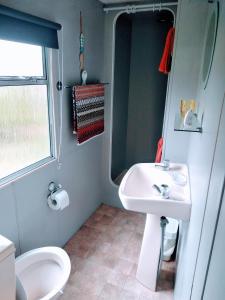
<point x="35" y="80"/>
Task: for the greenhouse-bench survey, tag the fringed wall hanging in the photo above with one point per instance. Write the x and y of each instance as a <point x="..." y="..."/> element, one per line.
<point x="88" y="101"/>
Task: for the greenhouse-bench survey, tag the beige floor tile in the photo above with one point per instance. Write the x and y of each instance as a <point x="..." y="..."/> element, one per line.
<point x="134" y="286"/>
<point x="102" y="247"/>
<point x="123" y="266"/>
<point x="88" y="284"/>
<point x="132" y="248"/>
<point x="146" y="297"/>
<point x="133" y="270"/>
<point x="125" y="295"/>
<point x="164" y="295"/>
<point x="108" y="210"/>
<point x="88" y="233"/>
<point x="69" y="292"/>
<point x="110" y="292"/>
<point x="104" y="259"/>
<point x="94" y="270"/>
<point x="123" y="236"/>
<point x="94" y="221"/>
<point x="104" y="255"/>
<point x="116" y="278"/>
<point x="74" y="294"/>
<point x="169" y="266"/>
<point x="76" y="263"/>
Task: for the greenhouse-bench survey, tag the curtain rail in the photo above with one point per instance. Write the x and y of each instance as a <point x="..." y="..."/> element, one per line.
<point x="133" y="8"/>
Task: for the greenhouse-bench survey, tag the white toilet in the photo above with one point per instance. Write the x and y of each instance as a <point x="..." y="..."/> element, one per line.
<point x="41" y="274"/>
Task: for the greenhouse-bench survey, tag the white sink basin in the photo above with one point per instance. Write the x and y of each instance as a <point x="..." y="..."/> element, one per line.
<point x="137" y="193"/>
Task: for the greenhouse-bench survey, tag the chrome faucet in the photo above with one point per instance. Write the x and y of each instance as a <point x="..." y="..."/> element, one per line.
<point x="164" y="165"/>
<point x="163" y="190"/>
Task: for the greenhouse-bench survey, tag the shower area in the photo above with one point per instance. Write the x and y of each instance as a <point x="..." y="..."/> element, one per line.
<point x="139" y="94"/>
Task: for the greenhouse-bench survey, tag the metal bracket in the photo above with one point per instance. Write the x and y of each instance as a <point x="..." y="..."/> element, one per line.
<point x="59" y="85"/>
<point x="131" y="9"/>
<point x="52" y="187"/>
<point x="163" y="223"/>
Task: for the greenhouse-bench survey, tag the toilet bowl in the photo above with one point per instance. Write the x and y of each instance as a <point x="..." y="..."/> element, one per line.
<point x="42" y="273"/>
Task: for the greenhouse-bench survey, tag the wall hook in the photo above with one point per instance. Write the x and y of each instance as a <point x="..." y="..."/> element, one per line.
<point x="59" y="85"/>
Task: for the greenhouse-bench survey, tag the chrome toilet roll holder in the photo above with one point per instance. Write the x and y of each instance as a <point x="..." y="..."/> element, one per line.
<point x="53" y="187"/>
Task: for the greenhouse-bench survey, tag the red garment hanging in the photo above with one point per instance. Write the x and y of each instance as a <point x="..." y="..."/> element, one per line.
<point x="165" y="64"/>
<point x="159" y="151"/>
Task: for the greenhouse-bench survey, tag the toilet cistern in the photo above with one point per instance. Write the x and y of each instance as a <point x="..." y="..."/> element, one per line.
<point x="7" y="269"/>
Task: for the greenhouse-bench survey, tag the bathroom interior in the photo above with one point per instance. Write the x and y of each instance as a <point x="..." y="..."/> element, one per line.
<point x="112" y="141"/>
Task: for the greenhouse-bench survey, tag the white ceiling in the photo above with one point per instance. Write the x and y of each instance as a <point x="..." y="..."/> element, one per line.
<point x="128" y="1"/>
<point x="118" y="1"/>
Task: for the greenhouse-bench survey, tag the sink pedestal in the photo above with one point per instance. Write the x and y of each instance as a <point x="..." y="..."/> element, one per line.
<point x="149" y="259"/>
<point x="137" y="194"/>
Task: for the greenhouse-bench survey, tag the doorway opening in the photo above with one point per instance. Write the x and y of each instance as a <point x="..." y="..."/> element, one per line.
<point x="139" y="88"/>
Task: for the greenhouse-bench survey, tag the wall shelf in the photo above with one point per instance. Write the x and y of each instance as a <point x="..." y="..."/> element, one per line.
<point x="179" y="125"/>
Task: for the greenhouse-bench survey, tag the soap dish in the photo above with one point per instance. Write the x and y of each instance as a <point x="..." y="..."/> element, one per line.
<point x="179" y="179"/>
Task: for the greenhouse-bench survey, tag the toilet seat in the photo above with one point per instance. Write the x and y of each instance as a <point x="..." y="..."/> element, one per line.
<point x="43" y="272"/>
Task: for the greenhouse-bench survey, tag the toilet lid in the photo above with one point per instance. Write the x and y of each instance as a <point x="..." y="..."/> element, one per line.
<point x="20" y="292"/>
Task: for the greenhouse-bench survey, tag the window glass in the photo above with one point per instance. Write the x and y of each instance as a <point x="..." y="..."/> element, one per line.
<point x="24" y="127"/>
<point x="19" y="59"/>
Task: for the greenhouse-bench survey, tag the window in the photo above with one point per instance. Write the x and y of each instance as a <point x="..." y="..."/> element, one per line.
<point x="25" y="135"/>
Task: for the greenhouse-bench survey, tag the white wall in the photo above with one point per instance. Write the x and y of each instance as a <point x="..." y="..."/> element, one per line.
<point x="215" y="288"/>
<point x="200" y="160"/>
<point x="110" y="190"/>
<point x="184" y="76"/>
<point x="24" y="215"/>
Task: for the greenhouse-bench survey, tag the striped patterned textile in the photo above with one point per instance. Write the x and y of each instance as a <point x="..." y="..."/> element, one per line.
<point x="88" y="110"/>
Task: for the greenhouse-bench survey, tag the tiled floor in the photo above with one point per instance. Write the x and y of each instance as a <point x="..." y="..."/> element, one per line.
<point x="104" y="255"/>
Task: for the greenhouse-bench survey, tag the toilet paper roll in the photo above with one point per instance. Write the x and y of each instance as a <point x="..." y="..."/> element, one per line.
<point x="58" y="200"/>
